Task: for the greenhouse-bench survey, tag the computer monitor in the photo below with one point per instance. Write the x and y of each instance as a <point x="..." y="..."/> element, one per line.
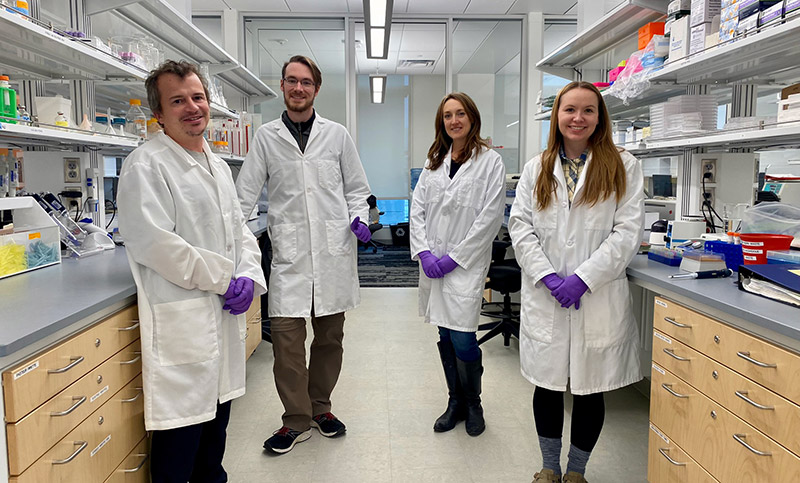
<point x="662" y="185"/>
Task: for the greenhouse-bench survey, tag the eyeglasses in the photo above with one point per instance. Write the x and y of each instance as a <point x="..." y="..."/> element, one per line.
<point x="306" y="83"/>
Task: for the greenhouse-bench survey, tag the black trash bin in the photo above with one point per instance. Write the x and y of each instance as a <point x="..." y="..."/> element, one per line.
<point x="400" y="234"/>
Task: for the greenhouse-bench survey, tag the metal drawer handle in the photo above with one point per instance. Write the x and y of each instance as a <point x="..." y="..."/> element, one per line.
<point x="134" y="360"/>
<point x="139" y="466"/>
<point x="677" y="324"/>
<point x="743" y="395"/>
<point x="75" y="362"/>
<point x="82" y="445"/>
<point x="134" y="398"/>
<point x="746" y="356"/>
<point x="739" y="438"/>
<point x="79" y="400"/>
<point x="671" y="353"/>
<point x="663" y="452"/>
<point x="668" y="388"/>
<point x="132" y="327"/>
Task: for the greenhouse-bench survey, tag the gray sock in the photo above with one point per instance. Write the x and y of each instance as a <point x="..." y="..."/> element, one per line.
<point x="577" y="460"/>
<point x="551" y="453"/>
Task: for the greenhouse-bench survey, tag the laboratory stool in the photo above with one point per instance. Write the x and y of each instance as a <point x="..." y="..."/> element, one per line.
<point x="505" y="276"/>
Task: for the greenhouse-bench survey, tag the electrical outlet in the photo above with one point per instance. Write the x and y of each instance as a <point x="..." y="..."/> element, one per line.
<point x="712" y="198"/>
<point x="709" y="166"/>
<point x="72" y="170"/>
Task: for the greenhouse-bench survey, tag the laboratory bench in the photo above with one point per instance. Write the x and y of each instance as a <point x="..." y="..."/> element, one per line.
<point x="70" y="358"/>
<point x="723" y="367"/>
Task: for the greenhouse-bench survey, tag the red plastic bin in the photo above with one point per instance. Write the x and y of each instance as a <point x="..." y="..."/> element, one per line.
<point x="756" y="245"/>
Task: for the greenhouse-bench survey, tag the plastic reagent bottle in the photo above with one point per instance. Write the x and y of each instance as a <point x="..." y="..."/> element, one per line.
<point x="135" y="120"/>
<point x="8" y="101"/>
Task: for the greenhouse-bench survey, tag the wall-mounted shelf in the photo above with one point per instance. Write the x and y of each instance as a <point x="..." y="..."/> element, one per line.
<point x="45" y="136"/>
<point x="164" y="23"/>
<point x="614" y="27"/>
<point x="767" y="57"/>
<point x="31" y="52"/>
<point x="781" y="135"/>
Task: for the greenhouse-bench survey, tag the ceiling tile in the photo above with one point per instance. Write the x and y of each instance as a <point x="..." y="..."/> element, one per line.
<point x="437" y="6"/>
<point x="251" y="5"/>
<point x="317" y="6"/>
<point x="489" y="6"/>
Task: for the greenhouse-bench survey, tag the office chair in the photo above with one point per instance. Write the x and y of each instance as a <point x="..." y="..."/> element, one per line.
<point x="372" y="243"/>
<point x="505" y="276"/>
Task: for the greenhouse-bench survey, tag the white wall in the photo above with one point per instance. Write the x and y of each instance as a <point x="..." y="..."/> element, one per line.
<point x="426" y="94"/>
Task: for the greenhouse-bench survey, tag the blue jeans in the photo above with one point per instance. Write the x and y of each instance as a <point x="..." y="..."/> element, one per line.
<point x="464" y="343"/>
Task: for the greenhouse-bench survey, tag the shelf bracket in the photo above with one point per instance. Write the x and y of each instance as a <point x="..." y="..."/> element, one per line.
<point x="93" y="7"/>
<point x="214" y="69"/>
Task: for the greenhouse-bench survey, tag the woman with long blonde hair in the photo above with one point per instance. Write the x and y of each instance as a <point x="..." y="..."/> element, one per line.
<point x="456" y="212"/>
<point x="575" y="225"/>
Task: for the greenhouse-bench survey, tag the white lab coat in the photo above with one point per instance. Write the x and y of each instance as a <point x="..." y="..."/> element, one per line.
<point x="597" y="346"/>
<point x="460" y="218"/>
<point x="313" y="197"/>
<point x="185" y="239"/>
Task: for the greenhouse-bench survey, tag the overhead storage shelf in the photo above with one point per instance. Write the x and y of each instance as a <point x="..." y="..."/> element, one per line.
<point x="163" y="22"/>
<point x="613" y="28"/>
<point x="44" y="136"/>
<point x="29" y="51"/>
<point x="767" y="57"/>
<point x="782" y="135"/>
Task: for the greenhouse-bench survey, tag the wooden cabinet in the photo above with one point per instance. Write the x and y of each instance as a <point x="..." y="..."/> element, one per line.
<point x="668" y="463"/>
<point x="722" y="397"/>
<point x="253" y="327"/>
<point x="135" y="468"/>
<point x="74" y="412"/>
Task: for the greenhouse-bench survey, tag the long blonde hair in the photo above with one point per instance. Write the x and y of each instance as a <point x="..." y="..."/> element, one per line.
<point x="442" y="142"/>
<point x="605" y="174"/>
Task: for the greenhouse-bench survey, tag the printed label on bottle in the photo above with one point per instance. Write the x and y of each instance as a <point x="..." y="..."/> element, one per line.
<point x="750" y="259"/>
<point x="752" y="252"/>
<point x="659" y="433"/>
<point x="26" y="370"/>
<point x="100" y="446"/>
<point x="659" y="370"/>
<point x="661" y="303"/>
<point x="663" y="337"/>
<point x="752" y="243"/>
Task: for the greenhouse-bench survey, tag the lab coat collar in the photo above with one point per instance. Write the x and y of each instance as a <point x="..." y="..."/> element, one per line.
<point x="558" y="172"/>
<point x="316" y="128"/>
<point x="464" y="166"/>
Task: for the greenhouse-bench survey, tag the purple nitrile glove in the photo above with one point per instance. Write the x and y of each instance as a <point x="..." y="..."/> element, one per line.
<point x="360" y="230"/>
<point x="231" y="290"/>
<point x="552" y="281"/>
<point x="570" y="292"/>
<point x="240" y="302"/>
<point x="430" y="264"/>
<point x="446" y="264"/>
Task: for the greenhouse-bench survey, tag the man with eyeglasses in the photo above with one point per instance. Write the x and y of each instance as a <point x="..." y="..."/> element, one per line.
<point x="317" y="192"/>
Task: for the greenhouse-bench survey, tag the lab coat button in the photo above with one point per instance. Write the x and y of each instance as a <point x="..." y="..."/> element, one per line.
<point x="308" y="190"/>
<point x="563" y="204"/>
<point x="570" y="243"/>
<point x="438" y="242"/>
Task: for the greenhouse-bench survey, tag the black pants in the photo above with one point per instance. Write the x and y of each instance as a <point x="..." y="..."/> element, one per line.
<point x="588" y="414"/>
<point x="191" y="453"/>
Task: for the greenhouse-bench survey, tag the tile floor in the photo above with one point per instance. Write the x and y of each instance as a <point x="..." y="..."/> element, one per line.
<point x="390" y="392"/>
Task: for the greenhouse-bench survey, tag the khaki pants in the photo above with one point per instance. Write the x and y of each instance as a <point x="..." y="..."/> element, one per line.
<point x="306" y="391"/>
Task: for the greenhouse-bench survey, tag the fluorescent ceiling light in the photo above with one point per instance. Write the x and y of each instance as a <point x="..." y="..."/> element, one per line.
<point x="377" y="25"/>
<point x="377" y="88"/>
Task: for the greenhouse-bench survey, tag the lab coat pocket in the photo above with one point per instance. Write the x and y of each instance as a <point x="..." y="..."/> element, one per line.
<point x="185" y="331"/>
<point x="330" y="174"/>
<point x="464" y="283"/>
<point x="471" y="193"/>
<point x="284" y="242"/>
<point x="607" y="317"/>
<point x="340" y="238"/>
<point x="538" y="315"/>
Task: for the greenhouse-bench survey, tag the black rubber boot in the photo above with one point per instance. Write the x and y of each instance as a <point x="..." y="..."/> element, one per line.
<point x="456" y="406"/>
<point x="469" y="373"/>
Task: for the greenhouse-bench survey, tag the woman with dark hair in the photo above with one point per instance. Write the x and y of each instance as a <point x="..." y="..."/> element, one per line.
<point x="456" y="212"/>
<point x="575" y="225"/>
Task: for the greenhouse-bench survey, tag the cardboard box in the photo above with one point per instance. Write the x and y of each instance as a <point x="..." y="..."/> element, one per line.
<point x="704" y="10"/>
<point x="697" y="37"/>
<point x="791" y="8"/>
<point x="676" y="6"/>
<point x="679" y="39"/>
<point x="647" y="32"/>
<point x="748" y="8"/>
<point x="771" y="14"/>
<point x="792" y="89"/>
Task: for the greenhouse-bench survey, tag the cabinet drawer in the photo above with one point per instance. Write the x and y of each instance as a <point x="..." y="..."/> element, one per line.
<point x="254" y="311"/>
<point x="136" y="467"/>
<point x="772" y="414"/>
<point x="670" y="404"/>
<point x="34" y="434"/>
<point x="38" y="379"/>
<point x="773" y="367"/>
<point x="668" y="463"/>
<point x="91" y="451"/>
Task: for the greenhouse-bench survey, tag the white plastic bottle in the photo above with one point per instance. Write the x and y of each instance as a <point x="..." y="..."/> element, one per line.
<point x="135" y="120"/>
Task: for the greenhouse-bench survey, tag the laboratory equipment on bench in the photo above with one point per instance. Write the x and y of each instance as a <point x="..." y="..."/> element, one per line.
<point x="31" y="242"/>
<point x="705" y="274"/>
<point x="679" y="231"/>
<point x="79" y="241"/>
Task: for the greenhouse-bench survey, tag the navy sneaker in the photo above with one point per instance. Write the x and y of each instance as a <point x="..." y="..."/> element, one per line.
<point x="328" y="425"/>
<point x="284" y="439"/>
